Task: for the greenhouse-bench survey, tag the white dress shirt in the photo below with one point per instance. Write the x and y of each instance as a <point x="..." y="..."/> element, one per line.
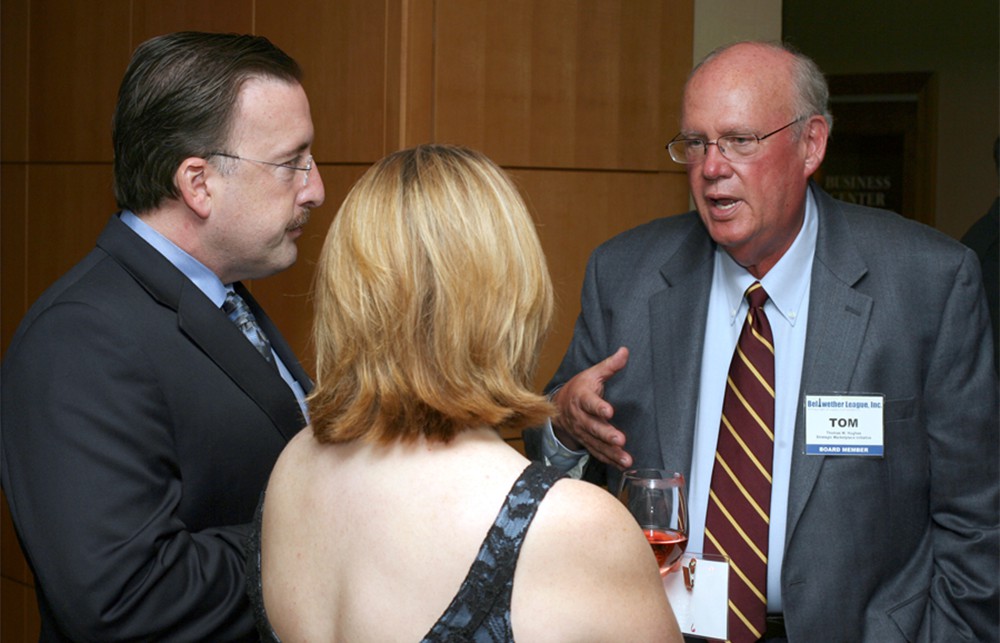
<point x="787" y="309"/>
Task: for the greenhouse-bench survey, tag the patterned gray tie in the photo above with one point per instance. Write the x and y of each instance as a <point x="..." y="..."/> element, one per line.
<point x="239" y="313"/>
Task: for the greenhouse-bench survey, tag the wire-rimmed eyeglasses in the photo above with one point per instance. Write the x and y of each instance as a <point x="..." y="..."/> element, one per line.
<point x="735" y="147"/>
<point x="307" y="168"/>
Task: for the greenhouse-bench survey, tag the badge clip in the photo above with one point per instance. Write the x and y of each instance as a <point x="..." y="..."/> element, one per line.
<point x="689" y="574"/>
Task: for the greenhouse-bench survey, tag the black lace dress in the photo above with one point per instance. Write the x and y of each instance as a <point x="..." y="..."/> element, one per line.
<point x="480" y="611"/>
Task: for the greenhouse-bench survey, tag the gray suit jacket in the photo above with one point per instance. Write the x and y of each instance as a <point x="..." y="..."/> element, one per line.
<point x="139" y="429"/>
<point x="903" y="548"/>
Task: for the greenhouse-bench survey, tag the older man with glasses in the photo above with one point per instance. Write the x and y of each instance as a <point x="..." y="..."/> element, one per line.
<point x="146" y="395"/>
<point x="841" y="444"/>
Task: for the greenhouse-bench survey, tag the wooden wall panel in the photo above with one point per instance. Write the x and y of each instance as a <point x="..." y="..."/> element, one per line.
<point x="577" y="211"/>
<point x="560" y="83"/>
<point x="410" y="107"/>
<point x="341" y="47"/>
<point x="19" y="620"/>
<point x="14" y="70"/>
<point x="68" y="205"/>
<point x="13" y="303"/>
<point x="18" y="610"/>
<point x="155" y="17"/>
<point x="74" y="83"/>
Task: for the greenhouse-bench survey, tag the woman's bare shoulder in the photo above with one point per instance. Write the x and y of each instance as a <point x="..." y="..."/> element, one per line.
<point x="300" y="477"/>
<point x="573" y="507"/>
<point x="587" y="568"/>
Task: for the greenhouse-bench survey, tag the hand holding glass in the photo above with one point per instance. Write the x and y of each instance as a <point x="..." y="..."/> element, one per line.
<point x="655" y="498"/>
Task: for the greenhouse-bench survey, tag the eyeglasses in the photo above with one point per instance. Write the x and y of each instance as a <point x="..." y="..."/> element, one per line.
<point x="307" y="168"/>
<point x="735" y="147"/>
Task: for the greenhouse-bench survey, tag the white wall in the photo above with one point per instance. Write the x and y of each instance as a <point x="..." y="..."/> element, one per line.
<point x="719" y="22"/>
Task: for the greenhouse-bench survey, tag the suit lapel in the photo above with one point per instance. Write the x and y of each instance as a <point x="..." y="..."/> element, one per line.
<point x="838" y="321"/>
<point x="677" y="344"/>
<point x="223" y="342"/>
<point x="208" y="327"/>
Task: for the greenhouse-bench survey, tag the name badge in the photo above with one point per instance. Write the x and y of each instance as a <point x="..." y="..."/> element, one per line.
<point x="845" y="425"/>
<point x="699" y="595"/>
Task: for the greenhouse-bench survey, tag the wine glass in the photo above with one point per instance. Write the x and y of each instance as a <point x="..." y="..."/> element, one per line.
<point x="655" y="498"/>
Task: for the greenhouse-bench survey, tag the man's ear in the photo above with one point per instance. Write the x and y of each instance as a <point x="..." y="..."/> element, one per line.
<point x="816" y="133"/>
<point x="191" y="179"/>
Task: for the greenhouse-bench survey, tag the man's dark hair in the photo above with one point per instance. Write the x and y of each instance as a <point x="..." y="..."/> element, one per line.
<point x="177" y="100"/>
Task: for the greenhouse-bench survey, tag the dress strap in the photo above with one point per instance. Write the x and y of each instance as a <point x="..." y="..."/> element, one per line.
<point x="492" y="573"/>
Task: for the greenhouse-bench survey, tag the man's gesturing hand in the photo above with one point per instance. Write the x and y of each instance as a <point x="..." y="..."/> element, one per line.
<point x="584" y="416"/>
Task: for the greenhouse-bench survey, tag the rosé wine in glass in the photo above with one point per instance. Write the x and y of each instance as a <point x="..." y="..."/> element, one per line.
<point x="656" y="499"/>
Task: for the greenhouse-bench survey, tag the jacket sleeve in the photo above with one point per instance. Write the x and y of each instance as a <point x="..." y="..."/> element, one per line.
<point x="962" y="422"/>
<point x="588" y="346"/>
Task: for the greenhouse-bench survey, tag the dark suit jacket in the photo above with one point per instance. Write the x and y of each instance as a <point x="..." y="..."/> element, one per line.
<point x="984" y="238"/>
<point x="139" y="428"/>
<point x="903" y="548"/>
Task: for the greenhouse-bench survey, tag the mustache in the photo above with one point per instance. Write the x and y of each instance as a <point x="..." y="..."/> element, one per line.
<point x="301" y="220"/>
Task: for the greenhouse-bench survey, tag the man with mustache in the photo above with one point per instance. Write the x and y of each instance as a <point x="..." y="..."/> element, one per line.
<point x="146" y="395"/>
<point x="864" y="308"/>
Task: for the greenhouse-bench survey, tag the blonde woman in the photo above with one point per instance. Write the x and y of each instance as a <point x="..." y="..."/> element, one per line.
<point x="400" y="513"/>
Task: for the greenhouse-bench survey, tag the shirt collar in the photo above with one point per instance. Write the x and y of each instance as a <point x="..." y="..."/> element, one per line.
<point x="206" y="280"/>
<point x="786" y="283"/>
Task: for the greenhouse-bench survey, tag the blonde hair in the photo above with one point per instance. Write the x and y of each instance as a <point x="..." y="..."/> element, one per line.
<point x="432" y="300"/>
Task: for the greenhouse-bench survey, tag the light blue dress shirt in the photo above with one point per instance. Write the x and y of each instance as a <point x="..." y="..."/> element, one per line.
<point x="206" y="281"/>
<point x="787" y="309"/>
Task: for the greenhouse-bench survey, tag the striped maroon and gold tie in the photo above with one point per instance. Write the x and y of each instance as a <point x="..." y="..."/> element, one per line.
<point x="736" y="524"/>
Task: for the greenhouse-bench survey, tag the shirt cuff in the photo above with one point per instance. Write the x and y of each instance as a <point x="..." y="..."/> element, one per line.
<point x="556" y="454"/>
